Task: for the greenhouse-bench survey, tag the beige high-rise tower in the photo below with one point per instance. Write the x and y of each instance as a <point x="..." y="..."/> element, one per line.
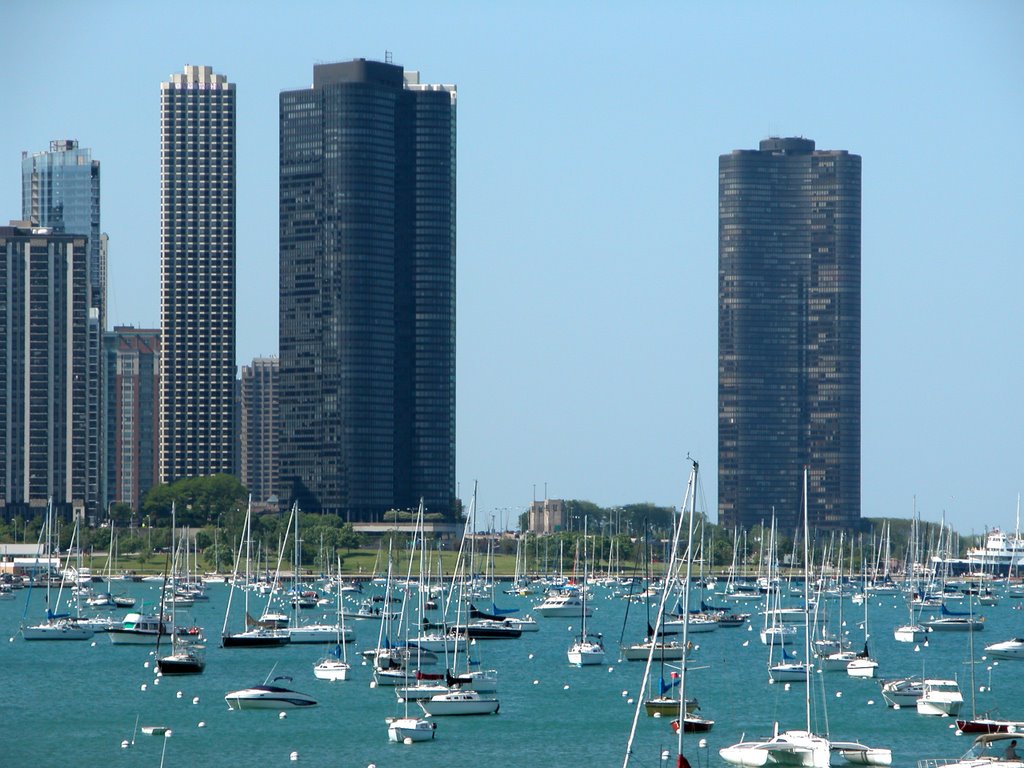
<point x="197" y="274"/>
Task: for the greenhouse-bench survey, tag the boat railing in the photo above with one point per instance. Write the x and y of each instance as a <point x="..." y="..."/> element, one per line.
<point x="937" y="762"/>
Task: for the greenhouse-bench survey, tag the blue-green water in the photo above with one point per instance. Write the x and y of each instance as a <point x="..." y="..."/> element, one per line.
<point x="72" y="703"/>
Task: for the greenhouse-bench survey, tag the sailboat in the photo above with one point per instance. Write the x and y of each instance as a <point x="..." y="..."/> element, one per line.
<point x="913" y="631"/>
<point x="309" y="633"/>
<point x="185" y="658"/>
<point x="58" y="626"/>
<point x="334" y="666"/>
<point x="801" y="747"/>
<point x="685" y="722"/>
<point x="586" y="649"/>
<point x="474" y="692"/>
<point x="259" y="636"/>
<point x="863" y="665"/>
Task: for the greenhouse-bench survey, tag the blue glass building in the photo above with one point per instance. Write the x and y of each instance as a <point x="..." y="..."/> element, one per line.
<point x="60" y="190"/>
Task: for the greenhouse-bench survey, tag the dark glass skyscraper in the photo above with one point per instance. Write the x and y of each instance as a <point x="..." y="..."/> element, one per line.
<point x="197" y="274"/>
<point x="367" y="306"/>
<point x="789" y="334"/>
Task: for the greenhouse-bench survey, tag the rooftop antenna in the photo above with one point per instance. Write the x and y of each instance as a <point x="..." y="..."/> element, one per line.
<point x="387" y="57"/>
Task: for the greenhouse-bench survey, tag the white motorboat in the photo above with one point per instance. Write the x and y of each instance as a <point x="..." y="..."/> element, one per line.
<point x="903" y="692"/>
<point x="269" y="697"/>
<point x="563" y="605"/>
<point x="1008" y="649"/>
<point x="460" y="703"/>
<point x="401" y="729"/>
<point x="989" y="750"/>
<point x="140" y="629"/>
<point x="941" y="698"/>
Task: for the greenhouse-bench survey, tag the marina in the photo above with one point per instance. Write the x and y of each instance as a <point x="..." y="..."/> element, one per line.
<point x="552" y="712"/>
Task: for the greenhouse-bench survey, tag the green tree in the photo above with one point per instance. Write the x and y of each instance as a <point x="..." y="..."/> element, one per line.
<point x="197" y="500"/>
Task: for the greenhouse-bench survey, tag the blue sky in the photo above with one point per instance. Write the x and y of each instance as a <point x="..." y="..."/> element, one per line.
<point x="589" y="136"/>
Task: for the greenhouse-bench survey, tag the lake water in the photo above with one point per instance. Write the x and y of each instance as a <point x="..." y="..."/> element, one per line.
<point x="72" y="703"/>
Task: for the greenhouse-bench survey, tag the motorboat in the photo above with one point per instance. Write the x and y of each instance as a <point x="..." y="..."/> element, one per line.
<point x="401" y="729"/>
<point x="1008" y="649"/>
<point x="903" y="692"/>
<point x="460" y="702"/>
<point x="563" y="605"/>
<point x="269" y="697"/>
<point x="989" y="750"/>
<point x="140" y="629"/>
<point x="941" y="698"/>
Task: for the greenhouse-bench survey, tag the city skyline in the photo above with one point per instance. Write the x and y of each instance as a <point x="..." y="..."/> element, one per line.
<point x="587" y="223"/>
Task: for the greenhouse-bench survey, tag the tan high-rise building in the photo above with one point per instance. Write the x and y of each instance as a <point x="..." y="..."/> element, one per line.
<point x="259" y="427"/>
<point x="197" y="274"/>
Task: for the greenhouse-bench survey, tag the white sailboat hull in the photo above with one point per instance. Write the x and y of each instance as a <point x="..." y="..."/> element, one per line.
<point x="790" y="748"/>
<point x="410" y="728"/>
<point x="910" y="633"/>
<point x="56" y="631"/>
<point x="331" y="669"/>
<point x="584" y="654"/>
<point x="459" y="703"/>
